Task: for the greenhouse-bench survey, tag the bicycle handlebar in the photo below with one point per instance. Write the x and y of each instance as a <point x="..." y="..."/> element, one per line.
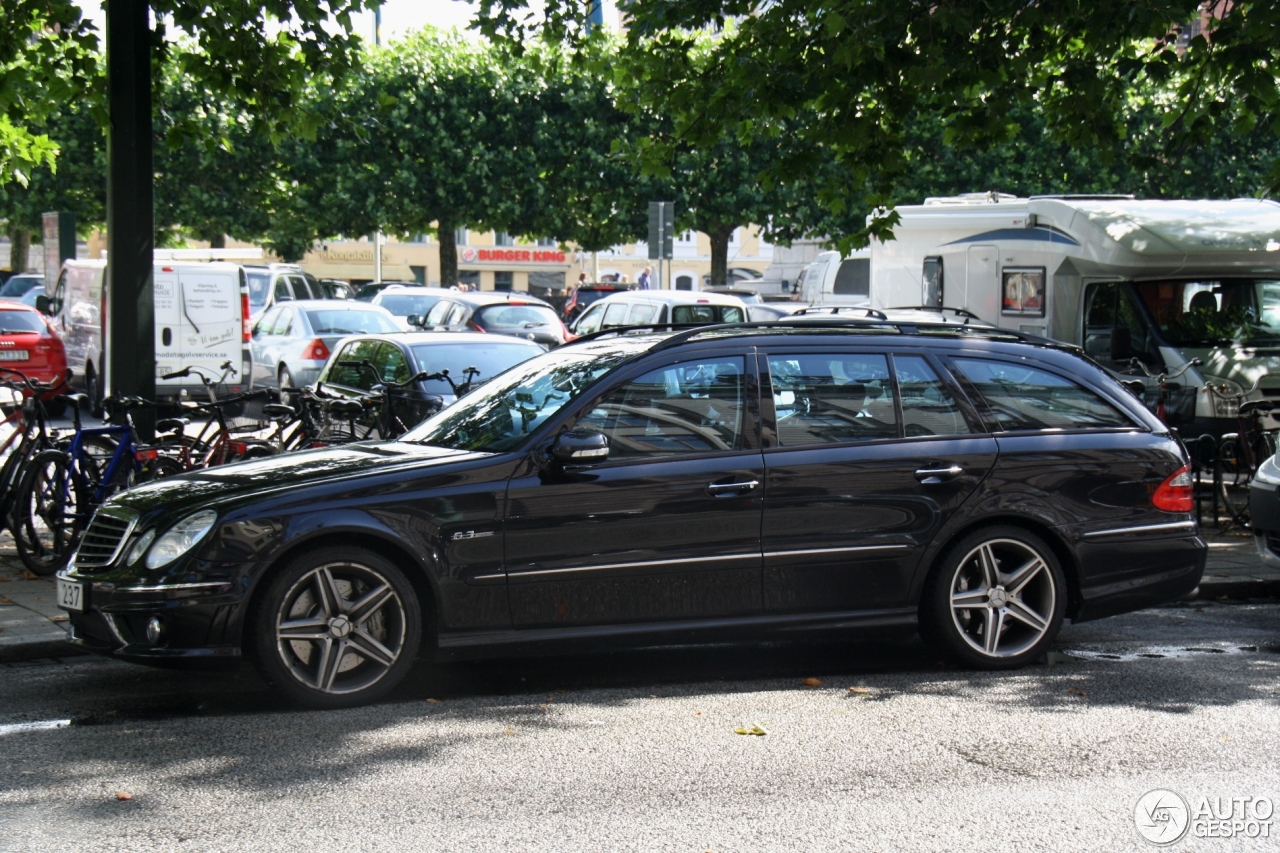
<point x="1162" y="376"/>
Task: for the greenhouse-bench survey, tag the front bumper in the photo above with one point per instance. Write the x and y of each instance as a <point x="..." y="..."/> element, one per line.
<point x="199" y="619"/>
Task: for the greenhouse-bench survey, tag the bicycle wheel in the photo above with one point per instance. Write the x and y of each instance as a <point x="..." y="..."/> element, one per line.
<point x="49" y="513"/>
<point x="1232" y="475"/>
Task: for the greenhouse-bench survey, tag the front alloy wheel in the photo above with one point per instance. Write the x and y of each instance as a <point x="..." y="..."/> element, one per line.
<point x="997" y="601"/>
<point x="337" y="628"/>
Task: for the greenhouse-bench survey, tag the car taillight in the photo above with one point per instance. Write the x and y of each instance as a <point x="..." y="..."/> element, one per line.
<point x="247" y="331"/>
<point x="1176" y="493"/>
<point x="473" y="324"/>
<point x="317" y="351"/>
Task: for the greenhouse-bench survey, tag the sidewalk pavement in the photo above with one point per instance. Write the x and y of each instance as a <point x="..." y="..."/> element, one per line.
<point x="32" y="626"/>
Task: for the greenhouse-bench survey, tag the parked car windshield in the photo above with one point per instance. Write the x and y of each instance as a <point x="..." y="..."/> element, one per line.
<point x="404" y="304"/>
<point x="506" y="317"/>
<point x="259" y="286"/>
<point x="1212" y="312"/>
<point x="501" y="414"/>
<point x="350" y="322"/>
<point x="18" y="285"/>
<point x="489" y="358"/>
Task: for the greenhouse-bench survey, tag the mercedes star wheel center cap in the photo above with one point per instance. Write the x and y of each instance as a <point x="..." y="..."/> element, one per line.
<point x="339" y="627"/>
<point x="998" y="597"/>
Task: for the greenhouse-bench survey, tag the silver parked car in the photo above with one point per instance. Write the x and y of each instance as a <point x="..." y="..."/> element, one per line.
<point x="292" y="341"/>
<point x="403" y="301"/>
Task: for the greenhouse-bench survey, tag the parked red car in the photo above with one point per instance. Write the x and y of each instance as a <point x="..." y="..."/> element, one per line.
<point x="29" y="343"/>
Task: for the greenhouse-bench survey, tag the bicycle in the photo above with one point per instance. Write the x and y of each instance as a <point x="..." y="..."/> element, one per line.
<point x="1163" y="386"/>
<point x="1241" y="453"/>
<point x="61" y="488"/>
<point x="29" y="433"/>
<point x="216" y="442"/>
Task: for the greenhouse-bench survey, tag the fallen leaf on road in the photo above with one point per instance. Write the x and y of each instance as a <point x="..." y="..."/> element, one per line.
<point x="697" y="713"/>
<point x="508" y="731"/>
<point x="29" y="576"/>
<point x="1077" y="691"/>
<point x="753" y="729"/>
<point x="5" y="601"/>
<point x="812" y="682"/>
<point x="61" y="617"/>
<point x="123" y="795"/>
<point x="859" y="691"/>
<point x="1225" y="739"/>
<point x="433" y="701"/>
<point x="544" y="707"/>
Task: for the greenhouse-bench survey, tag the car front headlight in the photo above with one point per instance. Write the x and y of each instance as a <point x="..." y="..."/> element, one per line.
<point x="181" y="538"/>
<point x="1268" y="472"/>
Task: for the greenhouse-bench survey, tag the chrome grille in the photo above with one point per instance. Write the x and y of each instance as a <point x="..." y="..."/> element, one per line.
<point x="104" y="539"/>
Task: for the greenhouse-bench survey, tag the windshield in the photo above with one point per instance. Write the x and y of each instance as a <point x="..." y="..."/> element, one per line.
<point x="501" y="414"/>
<point x="18" y="285"/>
<point x="1212" y="312"/>
<point x="258" y="288"/>
<point x="350" y="322"/>
<point x="402" y="305"/>
<point x="496" y="318"/>
<point x="488" y="358"/>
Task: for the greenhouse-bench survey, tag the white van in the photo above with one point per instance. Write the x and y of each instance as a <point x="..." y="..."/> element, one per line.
<point x="835" y="280"/>
<point x="200" y="321"/>
<point x="659" y="307"/>
<point x="1163" y="282"/>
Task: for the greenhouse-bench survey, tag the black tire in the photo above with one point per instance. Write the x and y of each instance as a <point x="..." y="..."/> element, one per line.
<point x="49" y="513"/>
<point x="93" y="390"/>
<point x="285" y="380"/>
<point x="960" y="602"/>
<point x="55" y="408"/>
<point x="317" y="594"/>
<point x="159" y="468"/>
<point x="1232" y="475"/>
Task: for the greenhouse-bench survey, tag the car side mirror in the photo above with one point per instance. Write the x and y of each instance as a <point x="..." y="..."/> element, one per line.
<point x="43" y="305"/>
<point x="580" y="447"/>
<point x="413" y="320"/>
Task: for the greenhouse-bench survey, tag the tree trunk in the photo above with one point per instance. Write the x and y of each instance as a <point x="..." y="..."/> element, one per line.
<point x="720" y="254"/>
<point x="218" y="241"/>
<point x="20" y="251"/>
<point x="448" y="254"/>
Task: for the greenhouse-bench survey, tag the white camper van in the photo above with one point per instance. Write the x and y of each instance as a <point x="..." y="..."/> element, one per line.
<point x="200" y="321"/>
<point x="1163" y="282"/>
<point x="831" y="279"/>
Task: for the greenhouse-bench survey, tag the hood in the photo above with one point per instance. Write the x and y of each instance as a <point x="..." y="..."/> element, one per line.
<point x="227" y="483"/>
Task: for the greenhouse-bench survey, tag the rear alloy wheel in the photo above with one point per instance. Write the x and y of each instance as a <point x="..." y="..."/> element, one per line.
<point x="285" y="379"/>
<point x="996" y="600"/>
<point x="337" y="628"/>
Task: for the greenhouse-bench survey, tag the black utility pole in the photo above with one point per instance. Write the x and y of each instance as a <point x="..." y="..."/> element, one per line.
<point x="130" y="322"/>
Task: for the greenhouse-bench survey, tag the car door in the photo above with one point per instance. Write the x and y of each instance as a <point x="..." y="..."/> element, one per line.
<point x="347" y="374"/>
<point x="668" y="527"/>
<point x="259" y="342"/>
<point x="278" y="347"/>
<point x="866" y="456"/>
<point x="438" y="314"/>
<point x="407" y="405"/>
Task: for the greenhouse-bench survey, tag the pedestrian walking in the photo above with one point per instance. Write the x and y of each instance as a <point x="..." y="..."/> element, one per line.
<point x="645" y="279"/>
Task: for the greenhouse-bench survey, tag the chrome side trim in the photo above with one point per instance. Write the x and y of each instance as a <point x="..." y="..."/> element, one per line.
<point x="850" y="550"/>
<point x="1142" y="528"/>
<point x="637" y="565"/>
<point x="167" y="587"/>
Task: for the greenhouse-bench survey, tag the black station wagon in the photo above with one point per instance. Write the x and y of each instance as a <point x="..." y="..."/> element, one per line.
<point x="735" y="482"/>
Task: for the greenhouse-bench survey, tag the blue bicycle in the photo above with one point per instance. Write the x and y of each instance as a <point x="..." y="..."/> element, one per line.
<point x="61" y="488"/>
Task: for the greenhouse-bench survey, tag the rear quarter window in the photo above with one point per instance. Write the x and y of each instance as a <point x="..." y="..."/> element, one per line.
<point x="1022" y="397"/>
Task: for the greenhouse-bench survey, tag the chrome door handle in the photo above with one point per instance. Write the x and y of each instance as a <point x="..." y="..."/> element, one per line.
<point x="937" y="475"/>
<point x="746" y="485"/>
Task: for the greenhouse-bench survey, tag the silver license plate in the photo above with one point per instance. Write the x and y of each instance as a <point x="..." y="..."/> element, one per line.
<point x="14" y="355"/>
<point x="70" y="595"/>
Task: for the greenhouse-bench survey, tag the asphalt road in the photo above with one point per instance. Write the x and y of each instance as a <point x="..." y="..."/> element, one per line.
<point x="637" y="751"/>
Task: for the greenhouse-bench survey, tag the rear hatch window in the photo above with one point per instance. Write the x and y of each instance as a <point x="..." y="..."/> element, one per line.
<point x="519" y="319"/>
<point x="350" y="322"/>
<point x="12" y="322"/>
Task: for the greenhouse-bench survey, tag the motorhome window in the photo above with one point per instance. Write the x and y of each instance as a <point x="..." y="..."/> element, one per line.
<point x="1027" y="398"/>
<point x="1022" y="291"/>
<point x="932" y="278"/>
<point x="1209" y="312"/>
<point x="854" y="277"/>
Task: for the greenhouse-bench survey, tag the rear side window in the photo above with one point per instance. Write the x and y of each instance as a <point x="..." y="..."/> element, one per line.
<point x="823" y="398"/>
<point x="706" y="314"/>
<point x="927" y="405"/>
<point x="1028" y="398"/>
<point x="641" y="314"/>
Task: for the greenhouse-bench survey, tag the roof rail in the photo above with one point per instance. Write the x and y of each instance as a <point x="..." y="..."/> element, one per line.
<point x="830" y="310"/>
<point x="959" y="312"/>
<point x="1087" y="196"/>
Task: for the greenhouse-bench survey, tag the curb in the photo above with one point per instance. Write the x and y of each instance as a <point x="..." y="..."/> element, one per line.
<point x="22" y="652"/>
<point x="1213" y="588"/>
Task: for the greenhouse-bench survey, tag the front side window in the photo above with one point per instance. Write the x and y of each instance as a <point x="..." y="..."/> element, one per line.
<point x="590" y="321"/>
<point x="1028" y="398"/>
<point x="502" y="414"/>
<point x="832" y="398"/>
<point x="692" y="407"/>
<point x="437" y="314"/>
<point x="267" y="322"/>
<point x="284" y="322"/>
<point x="1213" y="312"/>
<point x="615" y="315"/>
